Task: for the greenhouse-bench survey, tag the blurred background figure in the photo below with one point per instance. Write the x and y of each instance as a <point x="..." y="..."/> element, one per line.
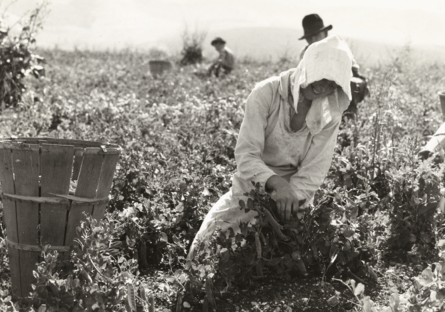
<point x="314" y="31"/>
<point x="225" y="62"/>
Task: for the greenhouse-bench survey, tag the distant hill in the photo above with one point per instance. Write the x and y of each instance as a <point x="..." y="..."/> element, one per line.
<point x="274" y="43"/>
<point x="255" y="42"/>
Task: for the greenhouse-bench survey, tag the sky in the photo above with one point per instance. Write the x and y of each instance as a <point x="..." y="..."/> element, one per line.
<point x="96" y="24"/>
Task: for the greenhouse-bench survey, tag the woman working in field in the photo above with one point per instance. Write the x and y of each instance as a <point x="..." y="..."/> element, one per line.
<point x="287" y="137"/>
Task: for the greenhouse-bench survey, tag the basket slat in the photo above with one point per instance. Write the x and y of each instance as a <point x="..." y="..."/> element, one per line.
<point x="10" y="218"/>
<point x="56" y="165"/>
<point x="78" y="156"/>
<point x="106" y="179"/>
<point x="86" y="187"/>
<point x="26" y="163"/>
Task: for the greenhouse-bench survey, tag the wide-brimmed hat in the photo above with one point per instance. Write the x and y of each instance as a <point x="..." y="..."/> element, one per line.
<point x="312" y="25"/>
<point x="217" y="40"/>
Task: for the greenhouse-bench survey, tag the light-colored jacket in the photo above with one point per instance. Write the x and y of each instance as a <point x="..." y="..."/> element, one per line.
<point x="267" y="145"/>
<point x="226" y="58"/>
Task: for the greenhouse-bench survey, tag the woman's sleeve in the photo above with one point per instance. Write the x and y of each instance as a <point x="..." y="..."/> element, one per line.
<point x="250" y="144"/>
<point x="316" y="163"/>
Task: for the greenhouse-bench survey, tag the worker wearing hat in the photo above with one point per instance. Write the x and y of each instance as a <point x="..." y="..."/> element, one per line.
<point x="314" y="31"/>
<point x="225" y="61"/>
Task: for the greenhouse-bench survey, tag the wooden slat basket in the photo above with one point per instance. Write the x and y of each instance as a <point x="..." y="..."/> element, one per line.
<point x="47" y="184"/>
<point x="159" y="67"/>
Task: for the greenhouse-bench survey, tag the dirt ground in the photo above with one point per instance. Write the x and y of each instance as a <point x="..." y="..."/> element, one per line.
<point x="312" y="294"/>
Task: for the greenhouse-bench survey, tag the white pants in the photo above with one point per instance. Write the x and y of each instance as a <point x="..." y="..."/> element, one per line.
<point x="225" y="214"/>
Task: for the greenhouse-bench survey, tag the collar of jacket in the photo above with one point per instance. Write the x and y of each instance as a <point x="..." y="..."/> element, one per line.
<point x="285" y="87"/>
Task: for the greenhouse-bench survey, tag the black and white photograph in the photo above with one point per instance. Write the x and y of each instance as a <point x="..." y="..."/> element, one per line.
<point x="222" y="155"/>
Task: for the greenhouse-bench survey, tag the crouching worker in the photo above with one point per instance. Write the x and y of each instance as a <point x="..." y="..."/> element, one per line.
<point x="287" y="138"/>
<point x="225" y="62"/>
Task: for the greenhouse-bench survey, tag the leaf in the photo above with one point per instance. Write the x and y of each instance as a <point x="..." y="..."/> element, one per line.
<point x="302" y="267"/>
<point x="426" y="237"/>
<point x="440" y="294"/>
<point x="353" y="213"/>
<point x="372" y="273"/>
<point x="42" y="308"/>
<point x="125" y="277"/>
<point x="352" y="283"/>
<point x="441" y="206"/>
<point x="273" y="262"/>
<point x="231" y="131"/>
<point x="416" y="284"/>
<point x="367" y="304"/>
<point x="224" y="254"/>
<point x="441" y="243"/>
<point x="242" y="204"/>
<point x="359" y="289"/>
<point x="348" y="232"/>
<point x="206" y="192"/>
<point x="333" y="301"/>
<point x="54" y="288"/>
<point x="163" y="237"/>
<point x="180" y="207"/>
<point x="426" y="277"/>
<point x="287" y="261"/>
<point x="250" y="203"/>
<point x="433" y="295"/>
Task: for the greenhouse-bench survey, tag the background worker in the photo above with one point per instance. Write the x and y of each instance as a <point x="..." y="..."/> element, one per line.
<point x="314" y="31"/>
<point x="225" y="61"/>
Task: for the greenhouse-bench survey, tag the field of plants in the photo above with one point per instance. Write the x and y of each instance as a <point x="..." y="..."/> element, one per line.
<point x="373" y="240"/>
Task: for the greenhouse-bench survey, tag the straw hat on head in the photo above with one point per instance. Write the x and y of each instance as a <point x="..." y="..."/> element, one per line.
<point x="312" y="25"/>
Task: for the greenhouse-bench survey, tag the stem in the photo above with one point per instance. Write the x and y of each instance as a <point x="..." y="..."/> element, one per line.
<point x="352" y="275"/>
<point x="349" y="287"/>
<point x="95" y="267"/>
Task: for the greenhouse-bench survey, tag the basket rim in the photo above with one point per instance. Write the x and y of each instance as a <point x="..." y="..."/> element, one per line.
<point x="24" y="142"/>
<point x="160" y="62"/>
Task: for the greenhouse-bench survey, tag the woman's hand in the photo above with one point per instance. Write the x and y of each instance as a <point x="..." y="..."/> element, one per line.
<point x="285" y="197"/>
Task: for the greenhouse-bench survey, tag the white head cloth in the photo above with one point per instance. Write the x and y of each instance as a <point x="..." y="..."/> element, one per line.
<point x="330" y="59"/>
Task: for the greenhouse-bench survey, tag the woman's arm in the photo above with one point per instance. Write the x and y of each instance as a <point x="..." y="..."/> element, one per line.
<point x="250" y="146"/>
<point x="251" y="138"/>
<point x="285" y="196"/>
